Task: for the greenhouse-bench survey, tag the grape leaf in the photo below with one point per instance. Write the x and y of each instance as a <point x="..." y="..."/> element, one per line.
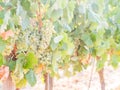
<point x="86" y="38"/>
<point x="1" y="59"/>
<point x="12" y="65"/>
<point x="25" y="4"/>
<point x="115" y="60"/>
<point x="2" y="45"/>
<point x="57" y="39"/>
<point x="56" y="14"/>
<point x="22" y="83"/>
<point x="31" y="60"/>
<point x="31" y="78"/>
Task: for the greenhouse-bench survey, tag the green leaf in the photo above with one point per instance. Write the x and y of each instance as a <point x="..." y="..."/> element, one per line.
<point x="57" y="39"/>
<point x="67" y="27"/>
<point x="70" y="49"/>
<point x="68" y="15"/>
<point x="62" y="3"/>
<point x="53" y="45"/>
<point x="21" y="56"/>
<point x="43" y="1"/>
<point x="2" y="45"/>
<point x="12" y="65"/>
<point x="7" y="17"/>
<point x="71" y="5"/>
<point x="67" y="73"/>
<point x="92" y="16"/>
<point x="56" y="14"/>
<point x="1" y="59"/>
<point x="2" y="14"/>
<point x="93" y="37"/>
<point x="115" y="61"/>
<point x="95" y="7"/>
<point x="19" y="68"/>
<point x="31" y="60"/>
<point x="107" y="33"/>
<point x="25" y="4"/>
<point x="87" y="39"/>
<point x="82" y="9"/>
<point x="25" y="23"/>
<point x="77" y="67"/>
<point x="22" y="83"/>
<point x="31" y="78"/>
<point x="93" y="51"/>
<point x="101" y="62"/>
<point x="20" y="11"/>
<point x="64" y="46"/>
<point x="68" y="11"/>
<point x="1" y="21"/>
<point x="56" y="56"/>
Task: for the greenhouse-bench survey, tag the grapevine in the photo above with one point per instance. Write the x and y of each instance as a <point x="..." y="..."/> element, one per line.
<point x="43" y="36"/>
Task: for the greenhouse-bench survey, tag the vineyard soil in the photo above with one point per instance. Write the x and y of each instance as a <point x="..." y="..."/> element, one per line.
<point x="80" y="81"/>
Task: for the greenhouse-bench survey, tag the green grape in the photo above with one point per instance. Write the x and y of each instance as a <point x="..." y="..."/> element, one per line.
<point x="45" y="57"/>
<point x="37" y="41"/>
<point x="47" y="30"/>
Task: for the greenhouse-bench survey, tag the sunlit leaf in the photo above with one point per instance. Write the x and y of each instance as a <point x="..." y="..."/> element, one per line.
<point x="31" y="60"/>
<point x="1" y="59"/>
<point x="22" y="83"/>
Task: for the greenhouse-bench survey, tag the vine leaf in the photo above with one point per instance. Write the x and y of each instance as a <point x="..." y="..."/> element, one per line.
<point x="115" y="60"/>
<point x="31" y="78"/>
<point x="57" y="39"/>
<point x="53" y="45"/>
<point x="62" y="3"/>
<point x="11" y="65"/>
<point x="2" y="45"/>
<point x="1" y="59"/>
<point x="22" y="83"/>
<point x="87" y="39"/>
<point x="31" y="60"/>
<point x="25" y="4"/>
<point x="56" y="14"/>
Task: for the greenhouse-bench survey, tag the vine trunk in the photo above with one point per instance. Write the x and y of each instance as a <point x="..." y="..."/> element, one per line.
<point x="102" y="80"/>
<point x="48" y="82"/>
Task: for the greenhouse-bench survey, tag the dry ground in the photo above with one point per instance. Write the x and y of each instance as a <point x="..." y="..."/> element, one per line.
<point x="80" y="81"/>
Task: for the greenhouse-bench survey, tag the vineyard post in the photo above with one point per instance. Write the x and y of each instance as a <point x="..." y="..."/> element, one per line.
<point x="8" y="84"/>
<point x="48" y="82"/>
<point x="101" y="77"/>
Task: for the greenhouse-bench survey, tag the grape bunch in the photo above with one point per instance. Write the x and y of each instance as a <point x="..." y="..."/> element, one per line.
<point x="35" y="39"/>
<point x="47" y="30"/>
<point x="45" y="57"/>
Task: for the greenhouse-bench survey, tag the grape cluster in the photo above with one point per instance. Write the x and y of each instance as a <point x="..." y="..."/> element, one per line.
<point x="37" y="40"/>
<point x="45" y="57"/>
<point x="46" y="31"/>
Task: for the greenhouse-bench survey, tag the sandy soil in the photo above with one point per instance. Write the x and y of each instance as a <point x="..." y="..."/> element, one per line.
<point x="80" y="81"/>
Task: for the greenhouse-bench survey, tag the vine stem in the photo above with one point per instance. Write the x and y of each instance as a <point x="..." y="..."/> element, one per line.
<point x="102" y="81"/>
<point x="91" y="74"/>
